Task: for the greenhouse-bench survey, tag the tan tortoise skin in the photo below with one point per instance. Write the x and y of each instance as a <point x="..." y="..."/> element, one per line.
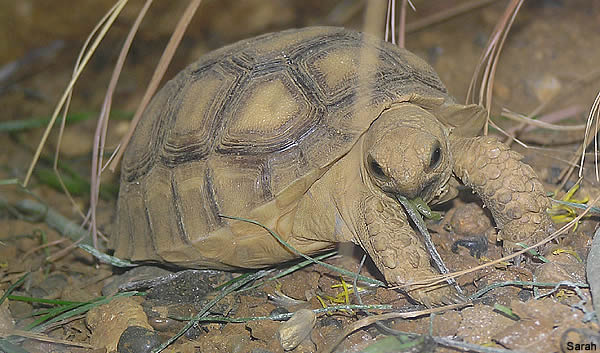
<point x="290" y="130"/>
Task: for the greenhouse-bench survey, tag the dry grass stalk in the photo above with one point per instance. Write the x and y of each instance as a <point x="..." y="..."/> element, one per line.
<point x="541" y="122"/>
<point x="102" y="124"/>
<point x="98" y="34"/>
<point x="445" y="15"/>
<point x="159" y="72"/>
<point x="592" y="120"/>
<point x="390" y="22"/>
<point x="490" y="57"/>
<point x="41" y="337"/>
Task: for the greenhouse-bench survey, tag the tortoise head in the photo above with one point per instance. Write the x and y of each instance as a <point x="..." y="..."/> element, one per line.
<point x="406" y="153"/>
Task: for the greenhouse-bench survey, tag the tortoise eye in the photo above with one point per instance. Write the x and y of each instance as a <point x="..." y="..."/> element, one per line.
<point x="436" y="157"/>
<point x="376" y="168"/>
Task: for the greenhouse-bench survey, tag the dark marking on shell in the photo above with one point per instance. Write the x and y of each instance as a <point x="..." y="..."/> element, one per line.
<point x="265" y="180"/>
<point x="152" y="236"/>
<point x="178" y="213"/>
<point x="212" y="203"/>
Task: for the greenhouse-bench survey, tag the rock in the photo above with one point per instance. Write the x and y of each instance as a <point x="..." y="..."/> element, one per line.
<point x="279" y="311"/>
<point x="137" y="339"/>
<point x="546" y="87"/>
<point x="540" y="326"/>
<point x="470" y="220"/>
<point x="561" y="267"/>
<point x="446" y="324"/>
<point x="331" y="321"/>
<point x="260" y="350"/>
<point x="135" y="274"/>
<point x="237" y="343"/>
<point x="296" y="329"/>
<point x="6" y="320"/>
<point x="53" y="285"/>
<point x="108" y="322"/>
<point x="188" y="286"/>
<point x="479" y="323"/>
<point x="263" y="330"/>
<point x="593" y="271"/>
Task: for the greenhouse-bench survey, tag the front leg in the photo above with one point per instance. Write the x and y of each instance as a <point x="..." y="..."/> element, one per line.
<point x="507" y="186"/>
<point x="396" y="249"/>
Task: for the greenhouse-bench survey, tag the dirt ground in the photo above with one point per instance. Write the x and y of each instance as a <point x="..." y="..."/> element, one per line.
<point x="548" y="67"/>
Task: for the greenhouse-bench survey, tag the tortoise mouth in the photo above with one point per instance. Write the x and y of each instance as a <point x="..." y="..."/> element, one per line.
<point x="427" y="192"/>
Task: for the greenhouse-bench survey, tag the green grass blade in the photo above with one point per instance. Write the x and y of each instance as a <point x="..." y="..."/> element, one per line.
<point x="9" y="182"/>
<point x="115" y="261"/>
<point x="6" y="346"/>
<point x="14" y="286"/>
<point x="42" y="300"/>
<point x="391" y="344"/>
<point x="289" y="270"/>
<point x="230" y="289"/>
<point x="51" y="313"/>
<point x="581" y="206"/>
<point x="506" y="311"/>
<point x="83" y="309"/>
<point x="326" y="265"/>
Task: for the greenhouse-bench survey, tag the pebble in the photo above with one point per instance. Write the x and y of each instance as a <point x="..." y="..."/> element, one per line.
<point x="188" y="286"/>
<point x="108" y="322"/>
<point x="470" y="220"/>
<point x="296" y="329"/>
<point x="546" y="87"/>
<point x="330" y="321"/>
<point x="135" y="274"/>
<point x="137" y="339"/>
<point x="278" y="311"/>
<point x="6" y="320"/>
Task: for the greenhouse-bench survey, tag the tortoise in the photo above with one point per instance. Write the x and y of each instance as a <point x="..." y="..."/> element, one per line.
<point x="313" y="133"/>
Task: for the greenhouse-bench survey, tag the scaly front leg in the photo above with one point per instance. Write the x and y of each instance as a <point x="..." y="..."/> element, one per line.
<point x="397" y="251"/>
<point x="507" y="186"/>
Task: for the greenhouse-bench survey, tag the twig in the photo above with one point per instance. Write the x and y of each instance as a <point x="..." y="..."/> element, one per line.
<point x="437" y="259"/>
<point x="375" y="318"/>
<point x="491" y="55"/>
<point x="402" y="25"/>
<point x="54" y="220"/>
<point x="41" y="337"/>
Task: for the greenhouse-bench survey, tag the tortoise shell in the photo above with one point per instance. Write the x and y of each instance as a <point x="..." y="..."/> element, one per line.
<point x="247" y="129"/>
